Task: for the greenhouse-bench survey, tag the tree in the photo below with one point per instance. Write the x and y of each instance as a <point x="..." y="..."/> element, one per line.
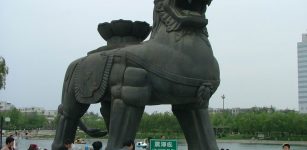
<point x="93" y="120"/>
<point x="35" y="120"/>
<point x="17" y="118"/>
<point x="4" y="70"/>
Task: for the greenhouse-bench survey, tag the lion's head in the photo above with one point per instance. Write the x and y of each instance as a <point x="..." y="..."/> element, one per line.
<point x="178" y="14"/>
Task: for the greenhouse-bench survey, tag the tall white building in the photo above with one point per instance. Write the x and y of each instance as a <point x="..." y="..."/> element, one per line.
<point x="302" y="74"/>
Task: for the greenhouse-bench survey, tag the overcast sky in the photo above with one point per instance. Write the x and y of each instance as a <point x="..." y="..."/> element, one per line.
<point x="253" y="40"/>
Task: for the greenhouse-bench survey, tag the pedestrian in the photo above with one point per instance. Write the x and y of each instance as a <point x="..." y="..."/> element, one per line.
<point x="9" y="143"/>
<point x="68" y="144"/>
<point x="97" y="145"/>
<point x="129" y="144"/>
<point x="33" y="147"/>
<point x="148" y="143"/>
<point x="14" y="145"/>
<point x="286" y="146"/>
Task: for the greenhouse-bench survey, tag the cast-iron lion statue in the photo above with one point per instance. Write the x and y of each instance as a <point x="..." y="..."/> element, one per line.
<point x="175" y="66"/>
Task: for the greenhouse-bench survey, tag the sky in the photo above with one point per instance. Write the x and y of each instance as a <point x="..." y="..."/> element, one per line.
<point x="254" y="42"/>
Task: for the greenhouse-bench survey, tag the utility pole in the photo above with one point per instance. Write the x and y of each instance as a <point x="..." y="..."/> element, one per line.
<point x="223" y="97"/>
<point x="1" y="128"/>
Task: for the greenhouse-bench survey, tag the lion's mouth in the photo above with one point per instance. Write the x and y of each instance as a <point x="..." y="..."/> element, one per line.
<point x="190" y="7"/>
<point x="187" y="12"/>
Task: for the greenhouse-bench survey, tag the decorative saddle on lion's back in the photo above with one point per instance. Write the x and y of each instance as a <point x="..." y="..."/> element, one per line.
<point x="91" y="78"/>
<point x="91" y="73"/>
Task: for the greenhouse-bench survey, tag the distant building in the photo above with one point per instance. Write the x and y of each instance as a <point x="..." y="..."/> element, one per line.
<point x="39" y="110"/>
<point x="5" y="106"/>
<point x="215" y="110"/>
<point x="236" y="111"/>
<point x="233" y="111"/>
<point x="49" y="114"/>
<point x="302" y="74"/>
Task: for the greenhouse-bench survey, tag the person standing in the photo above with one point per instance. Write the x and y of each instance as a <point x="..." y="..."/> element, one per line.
<point x="68" y="144"/>
<point x="9" y="143"/>
<point x="33" y="147"/>
<point x="286" y="147"/>
<point x="97" y="145"/>
<point x="129" y="145"/>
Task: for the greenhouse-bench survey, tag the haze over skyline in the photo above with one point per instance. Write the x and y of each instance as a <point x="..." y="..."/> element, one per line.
<point x="253" y="41"/>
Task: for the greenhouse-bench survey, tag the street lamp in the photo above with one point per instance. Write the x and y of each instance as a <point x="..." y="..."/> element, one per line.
<point x="223" y="97"/>
<point x="1" y="127"/>
<point x="7" y="119"/>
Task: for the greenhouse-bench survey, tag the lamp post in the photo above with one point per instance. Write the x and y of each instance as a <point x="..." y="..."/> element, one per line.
<point x="1" y="125"/>
<point x="7" y="119"/>
<point x="223" y="97"/>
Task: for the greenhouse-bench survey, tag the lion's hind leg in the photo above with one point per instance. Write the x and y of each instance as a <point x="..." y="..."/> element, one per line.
<point x="69" y="119"/>
<point x="70" y="112"/>
<point x="195" y="123"/>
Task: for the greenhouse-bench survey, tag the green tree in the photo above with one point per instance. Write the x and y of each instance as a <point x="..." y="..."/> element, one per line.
<point x="4" y="70"/>
<point x="93" y="120"/>
<point x="17" y="118"/>
<point x="157" y="124"/>
<point x="34" y="121"/>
